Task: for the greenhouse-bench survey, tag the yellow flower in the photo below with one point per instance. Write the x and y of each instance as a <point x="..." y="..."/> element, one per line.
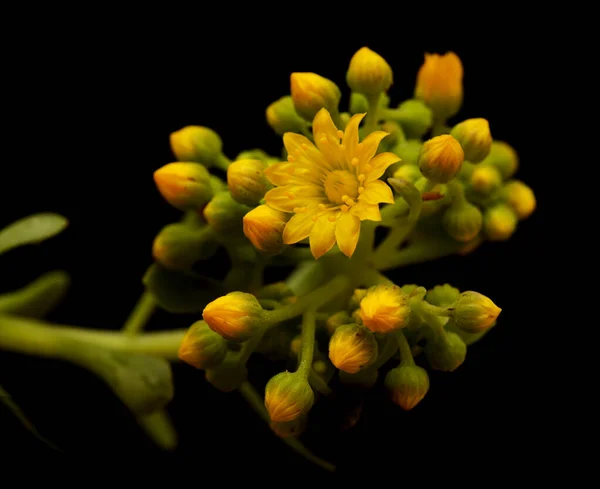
<point x="384" y="308"/>
<point x="330" y="187"/>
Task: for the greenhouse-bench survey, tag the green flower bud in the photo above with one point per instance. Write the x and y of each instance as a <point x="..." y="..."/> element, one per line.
<point x="442" y="295"/>
<point x="414" y="290"/>
<point x="475" y="138"/>
<point x="282" y="116"/>
<point x="337" y="320"/>
<point x="178" y="246"/>
<point x="288" y="396"/>
<point x="499" y="222"/>
<point x="312" y="92"/>
<point x="352" y="348"/>
<point x="228" y="376"/>
<point x="414" y="117"/>
<point x="462" y="221"/>
<point x="485" y="179"/>
<point x="247" y="181"/>
<point x="363" y="379"/>
<point x="256" y="154"/>
<point x="407" y="385"/>
<point x="408" y="151"/>
<point x="441" y="158"/>
<point x="369" y="73"/>
<point x="275" y="291"/>
<point x="197" y="143"/>
<point x="446" y="352"/>
<point x="235" y="316"/>
<point x="520" y="198"/>
<point x="289" y="428"/>
<point x="202" y="347"/>
<point x="408" y="172"/>
<point x="474" y="312"/>
<point x="296" y="346"/>
<point x="186" y="186"/>
<point x="224" y="214"/>
<point x="358" y="103"/>
<point x="357" y="296"/>
<point x="503" y="157"/>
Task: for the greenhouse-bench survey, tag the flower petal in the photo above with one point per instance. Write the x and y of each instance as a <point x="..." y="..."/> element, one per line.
<point x="350" y="140"/>
<point x="299" y="226"/>
<point x="378" y="192"/>
<point x="327" y="140"/>
<point x="368" y="147"/>
<point x="288" y="197"/>
<point x="366" y="212"/>
<point x="347" y="231"/>
<point x="322" y="236"/>
<point x="280" y="174"/>
<point x="303" y="151"/>
<point x="379" y="164"/>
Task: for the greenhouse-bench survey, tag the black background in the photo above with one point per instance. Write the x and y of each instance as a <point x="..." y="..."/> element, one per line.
<point x="90" y="109"/>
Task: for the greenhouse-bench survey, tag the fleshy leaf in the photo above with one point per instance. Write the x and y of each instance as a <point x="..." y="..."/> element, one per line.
<point x="30" y="230"/>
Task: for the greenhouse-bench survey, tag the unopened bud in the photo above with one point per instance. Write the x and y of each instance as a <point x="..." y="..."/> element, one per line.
<point x="499" y="222"/>
<point x="474" y="312"/>
<point x="408" y="151"/>
<point x="247" y="181"/>
<point x="520" y="198"/>
<point x="289" y="428"/>
<point x="178" y="246"/>
<point x="384" y="308"/>
<point x="414" y="117"/>
<point x="441" y="158"/>
<point x="395" y="133"/>
<point x="357" y="296"/>
<point x="202" y="347"/>
<point x="475" y="138"/>
<point x="504" y="157"/>
<point x="485" y="179"/>
<point x="462" y="221"/>
<point x="255" y="154"/>
<point x="296" y="345"/>
<point x="352" y="348"/>
<point x="228" y="376"/>
<point x="282" y="116"/>
<point x="442" y="295"/>
<point x="312" y="92"/>
<point x="408" y="172"/>
<point x="337" y="320"/>
<point x="186" y="186"/>
<point x="407" y="385"/>
<point x="263" y="226"/>
<point x="369" y="73"/>
<point x="224" y="214"/>
<point x="414" y="291"/>
<point x="235" y="316"/>
<point x="446" y="353"/>
<point x="196" y="143"/>
<point x="288" y="396"/>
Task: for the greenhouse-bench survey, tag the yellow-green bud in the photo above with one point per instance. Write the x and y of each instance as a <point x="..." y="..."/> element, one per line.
<point x="441" y="158"/>
<point x="202" y="347"/>
<point x="224" y="214"/>
<point x="178" y="246"/>
<point x="520" y="198"/>
<point x="235" y="316"/>
<point x="312" y="92"/>
<point x="275" y="291"/>
<point x="364" y="379"/>
<point x="186" y="186"/>
<point x="462" y="221"/>
<point x="369" y="73"/>
<point x="395" y="134"/>
<point x="408" y="172"/>
<point x="414" y="117"/>
<point x="296" y="345"/>
<point x="442" y="295"/>
<point x="384" y="308"/>
<point x="357" y="296"/>
<point x="474" y="312"/>
<point x="288" y="396"/>
<point x="352" y="348"/>
<point x="247" y="181"/>
<point x="446" y="353"/>
<point x="228" y="376"/>
<point x="282" y="116"/>
<point x="407" y="385"/>
<point x="337" y="320"/>
<point x="358" y="103"/>
<point x="197" y="143"/>
<point x="504" y="157"/>
<point x="409" y="151"/>
<point x="485" y="179"/>
<point x="289" y="428"/>
<point x="475" y="138"/>
<point x="255" y="154"/>
<point x="263" y="226"/>
<point x="499" y="222"/>
<point x="414" y="290"/>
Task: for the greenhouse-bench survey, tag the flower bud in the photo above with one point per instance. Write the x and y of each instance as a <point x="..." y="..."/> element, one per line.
<point x="320" y="367"/>
<point x="414" y="117"/>
<point x="395" y="134"/>
<point x="446" y="353"/>
<point x="247" y="181"/>
<point x="363" y="379"/>
<point x="369" y="73"/>
<point x="235" y="316"/>
<point x="275" y="291"/>
<point x="337" y="320"/>
<point x="256" y="154"/>
<point x="288" y="396"/>
<point x="296" y="345"/>
<point x="485" y="179"/>
<point x="408" y="172"/>
<point x="282" y="116"/>
<point x="407" y="385"/>
<point x="475" y="138"/>
<point x="441" y="158"/>
<point x="384" y="308"/>
<point x="196" y="143"/>
<point x="499" y="222"/>
<point x="442" y="295"/>
<point x="414" y="291"/>
<point x="440" y="84"/>
<point x="228" y="376"/>
<point x="224" y="214"/>
<point x="263" y="226"/>
<point x="357" y="296"/>
<point x="352" y="348"/>
<point x="474" y="312"/>
<point x="462" y="221"/>
<point x="312" y="92"/>
<point x="520" y="198"/>
<point x="289" y="428"/>
<point x="186" y="186"/>
<point x="202" y="347"/>
<point x="358" y="103"/>
<point x="504" y="157"/>
<point x="178" y="246"/>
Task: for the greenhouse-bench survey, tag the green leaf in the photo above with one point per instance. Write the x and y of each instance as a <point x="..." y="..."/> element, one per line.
<point x="30" y="230"/>
<point x="181" y="291"/>
<point x="409" y="193"/>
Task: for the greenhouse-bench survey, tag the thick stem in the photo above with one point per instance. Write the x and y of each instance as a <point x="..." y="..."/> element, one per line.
<point x="309" y="325"/>
<point x="222" y="162"/>
<point x="372" y="114"/>
<point x="406" y="357"/>
<point x="251" y="345"/>
<point x="418" y="252"/>
<point x="141" y="314"/>
<point x="318" y="383"/>
<point x="390" y="347"/>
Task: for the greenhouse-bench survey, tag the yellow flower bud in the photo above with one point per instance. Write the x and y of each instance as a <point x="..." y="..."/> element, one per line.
<point x="282" y="116"/>
<point x="408" y="172"/>
<point x="384" y="308"/>
<point x="235" y="316"/>
<point x="504" y="157"/>
<point x="224" y="214"/>
<point x="312" y="92"/>
<point x="196" y="143"/>
<point x="485" y="179"/>
<point x="352" y="348"/>
<point x="473" y="312"/>
<point x="368" y="73"/>
<point x="407" y="385"/>
<point x="463" y="221"/>
<point x="475" y="138"/>
<point x="520" y="198"/>
<point x="202" y="347"/>
<point x="320" y="367"/>
<point x="247" y="181"/>
<point x="337" y="320"/>
<point x="288" y="396"/>
<point x="414" y="117"/>
<point x="186" y="186"/>
<point x="228" y="376"/>
<point x="446" y="352"/>
<point x="178" y="246"/>
<point x="263" y="226"/>
<point x="441" y="158"/>
<point x="499" y="222"/>
<point x="440" y="84"/>
<point x="442" y="295"/>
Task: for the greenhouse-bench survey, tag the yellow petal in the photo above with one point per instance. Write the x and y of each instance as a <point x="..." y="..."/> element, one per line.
<point x="288" y="197"/>
<point x="327" y="140"/>
<point x="303" y="150"/>
<point x="379" y="165"/>
<point x="299" y="226"/>
<point x="366" y="212"/>
<point x="378" y="192"/>
<point x="322" y="235"/>
<point x="350" y="140"/>
<point x="368" y="147"/>
<point x="347" y="231"/>
<point x="280" y="174"/>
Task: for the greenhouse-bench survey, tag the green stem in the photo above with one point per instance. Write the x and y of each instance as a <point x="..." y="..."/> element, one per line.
<point x="256" y="402"/>
<point x="390" y="347"/>
<point x="318" y="383"/>
<point x="372" y="114"/>
<point x="373" y="277"/>
<point x="251" y="345"/>
<point x="159" y="427"/>
<point x="309" y="325"/>
<point x="337" y="120"/>
<point x="457" y="192"/>
<point x="419" y="252"/>
<point x="439" y="127"/>
<point x="406" y="357"/>
<point x="141" y="314"/>
<point x="306" y="131"/>
<point x="222" y="162"/>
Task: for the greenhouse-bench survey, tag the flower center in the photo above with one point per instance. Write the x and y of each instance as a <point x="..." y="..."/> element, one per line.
<point x="340" y="186"/>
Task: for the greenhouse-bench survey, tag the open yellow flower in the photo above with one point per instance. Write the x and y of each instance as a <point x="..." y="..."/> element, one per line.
<point x="330" y="187"/>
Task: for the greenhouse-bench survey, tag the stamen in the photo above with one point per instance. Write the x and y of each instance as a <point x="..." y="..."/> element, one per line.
<point x="291" y="158"/>
<point x="304" y="146"/>
<point x="345" y="208"/>
<point x="299" y="210"/>
<point x="361" y="190"/>
<point x="332" y="218"/>
<point x="322" y="207"/>
<point x="344" y="198"/>
<point x="340" y="133"/>
<point x="354" y="161"/>
<point x="349" y="202"/>
<point x="368" y="167"/>
<point x="290" y="195"/>
<point x="361" y="177"/>
<point x="323" y="139"/>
